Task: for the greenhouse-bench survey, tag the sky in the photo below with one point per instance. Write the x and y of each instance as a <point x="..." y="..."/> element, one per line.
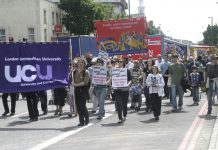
<point x="181" y="19"/>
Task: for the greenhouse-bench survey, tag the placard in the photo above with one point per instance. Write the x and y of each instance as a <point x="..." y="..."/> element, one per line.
<point x="119" y="77"/>
<point x="99" y="75"/>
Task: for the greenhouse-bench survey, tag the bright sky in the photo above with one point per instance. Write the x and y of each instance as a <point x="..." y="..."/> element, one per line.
<point x="182" y="19"/>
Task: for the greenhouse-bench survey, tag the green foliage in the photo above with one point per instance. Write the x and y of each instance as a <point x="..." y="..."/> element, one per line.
<point x="152" y="29"/>
<point x="80" y="15"/>
<point x="211" y="35"/>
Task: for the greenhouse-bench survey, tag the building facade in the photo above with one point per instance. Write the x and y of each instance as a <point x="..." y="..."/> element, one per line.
<point x="33" y="20"/>
<point x="119" y="5"/>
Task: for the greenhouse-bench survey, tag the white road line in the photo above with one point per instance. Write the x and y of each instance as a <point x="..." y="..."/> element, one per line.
<point x="63" y="136"/>
<point x="58" y="138"/>
<point x="19" y="115"/>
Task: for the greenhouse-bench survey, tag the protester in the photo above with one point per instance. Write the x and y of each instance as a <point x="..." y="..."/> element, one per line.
<point x="42" y="96"/>
<point x="80" y="82"/>
<point x="5" y="103"/>
<point x="59" y="100"/>
<point x="147" y="70"/>
<point x="122" y="94"/>
<point x="136" y="88"/>
<point x="165" y="73"/>
<point x="211" y="76"/>
<point x="195" y="80"/>
<point x="32" y="105"/>
<point x="177" y="72"/>
<point x="101" y="90"/>
<point x="155" y="82"/>
<point x="92" y="93"/>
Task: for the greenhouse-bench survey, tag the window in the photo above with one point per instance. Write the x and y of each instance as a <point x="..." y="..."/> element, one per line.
<point x="45" y="35"/>
<point x="57" y="18"/>
<point x="53" y="33"/>
<point x="45" y="20"/>
<point x="31" y="35"/>
<point x="53" y="18"/>
<point x="2" y="35"/>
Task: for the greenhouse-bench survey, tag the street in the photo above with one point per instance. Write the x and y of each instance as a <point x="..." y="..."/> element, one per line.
<point x="189" y="128"/>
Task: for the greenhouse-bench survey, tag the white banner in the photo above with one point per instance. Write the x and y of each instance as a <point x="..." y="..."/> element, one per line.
<point x="99" y="75"/>
<point x="119" y="77"/>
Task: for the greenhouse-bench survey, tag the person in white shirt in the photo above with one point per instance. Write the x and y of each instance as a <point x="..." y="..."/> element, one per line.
<point x="130" y="64"/>
<point x="155" y="82"/>
<point x="159" y="61"/>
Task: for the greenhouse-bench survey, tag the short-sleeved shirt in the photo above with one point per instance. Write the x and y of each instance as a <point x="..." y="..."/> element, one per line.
<point x="177" y="73"/>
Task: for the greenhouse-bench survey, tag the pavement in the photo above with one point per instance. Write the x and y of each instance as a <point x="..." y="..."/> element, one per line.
<point x="189" y="128"/>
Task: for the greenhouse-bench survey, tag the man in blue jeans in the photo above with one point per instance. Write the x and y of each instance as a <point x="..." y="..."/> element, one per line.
<point x="177" y="72"/>
<point x="211" y="77"/>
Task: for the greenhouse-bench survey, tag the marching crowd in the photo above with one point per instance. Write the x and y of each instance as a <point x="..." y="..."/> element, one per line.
<point x="159" y="78"/>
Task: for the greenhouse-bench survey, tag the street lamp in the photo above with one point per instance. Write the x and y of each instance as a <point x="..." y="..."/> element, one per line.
<point x="211" y="29"/>
<point x="129" y="8"/>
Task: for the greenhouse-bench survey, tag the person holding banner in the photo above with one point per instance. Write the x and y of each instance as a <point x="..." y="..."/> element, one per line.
<point x="155" y="82"/>
<point x="80" y="82"/>
<point x="32" y="102"/>
<point x="101" y="80"/>
<point x="5" y="103"/>
<point x="121" y="92"/>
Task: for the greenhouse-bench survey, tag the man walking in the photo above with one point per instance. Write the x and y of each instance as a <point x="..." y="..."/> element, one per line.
<point x="177" y="73"/>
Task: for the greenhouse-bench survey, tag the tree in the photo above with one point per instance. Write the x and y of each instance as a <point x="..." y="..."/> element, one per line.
<point x="80" y="15"/>
<point x="152" y="29"/>
<point x="211" y="35"/>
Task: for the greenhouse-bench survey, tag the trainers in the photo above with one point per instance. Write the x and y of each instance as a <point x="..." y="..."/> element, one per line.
<point x="156" y="118"/>
<point x="209" y="112"/>
<point x="5" y="114"/>
<point x="120" y="121"/>
<point x="99" y="118"/>
<point x="174" y="109"/>
<point x="12" y="114"/>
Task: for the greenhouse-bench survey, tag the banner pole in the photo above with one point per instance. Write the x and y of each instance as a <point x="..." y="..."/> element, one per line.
<point x="71" y="62"/>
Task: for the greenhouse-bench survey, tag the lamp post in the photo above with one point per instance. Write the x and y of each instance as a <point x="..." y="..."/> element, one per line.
<point x="211" y="29"/>
<point x="129" y="7"/>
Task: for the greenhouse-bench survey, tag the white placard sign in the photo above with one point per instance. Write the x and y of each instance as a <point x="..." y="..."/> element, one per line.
<point x="119" y="77"/>
<point x="102" y="54"/>
<point x="99" y="75"/>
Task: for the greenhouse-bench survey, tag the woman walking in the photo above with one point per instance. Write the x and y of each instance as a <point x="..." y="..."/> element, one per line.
<point x="155" y="82"/>
<point x="80" y="82"/>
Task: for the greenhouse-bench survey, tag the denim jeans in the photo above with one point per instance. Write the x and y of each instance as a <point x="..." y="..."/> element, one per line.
<point x="210" y="95"/>
<point x="174" y="89"/>
<point x="101" y="93"/>
<point x="196" y="94"/>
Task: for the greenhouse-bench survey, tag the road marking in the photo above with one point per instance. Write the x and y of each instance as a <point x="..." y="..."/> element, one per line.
<point x="63" y="136"/>
<point x="19" y="115"/>
<point x="196" y="125"/>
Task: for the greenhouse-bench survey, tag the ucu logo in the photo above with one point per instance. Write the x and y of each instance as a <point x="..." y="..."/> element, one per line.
<point x="27" y="73"/>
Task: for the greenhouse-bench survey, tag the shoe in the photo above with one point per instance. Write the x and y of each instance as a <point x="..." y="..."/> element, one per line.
<point x="60" y="113"/>
<point x="120" y="121"/>
<point x="12" y="114"/>
<point x="94" y="111"/>
<point x="197" y="103"/>
<point x="31" y="119"/>
<point x="45" y="112"/>
<point x="209" y="112"/>
<point x="35" y="119"/>
<point x="87" y="122"/>
<point x="70" y="115"/>
<point x="180" y="107"/>
<point x="174" y="109"/>
<point x="137" y="109"/>
<point x="99" y="118"/>
<point x="56" y="112"/>
<point x="124" y="118"/>
<point x="156" y="118"/>
<point x="5" y="114"/>
<point x="146" y="109"/>
<point x="132" y="107"/>
<point x="80" y="124"/>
